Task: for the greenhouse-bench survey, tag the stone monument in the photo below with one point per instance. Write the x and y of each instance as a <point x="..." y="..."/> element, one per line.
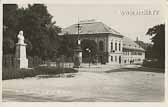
<point x="20" y="57"/>
<point x="77" y="56"/>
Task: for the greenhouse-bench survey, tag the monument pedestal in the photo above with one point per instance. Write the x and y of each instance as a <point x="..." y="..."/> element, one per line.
<point x="77" y="57"/>
<point x="20" y="59"/>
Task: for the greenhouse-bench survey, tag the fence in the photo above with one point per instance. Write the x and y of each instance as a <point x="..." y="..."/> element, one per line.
<point x="8" y="61"/>
<point x="61" y="62"/>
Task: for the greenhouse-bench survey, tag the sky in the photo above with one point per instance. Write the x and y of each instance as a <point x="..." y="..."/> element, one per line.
<point x="130" y="25"/>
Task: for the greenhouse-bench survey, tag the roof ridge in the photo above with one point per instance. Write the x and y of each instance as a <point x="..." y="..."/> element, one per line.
<point x="88" y="22"/>
<point x="91" y="27"/>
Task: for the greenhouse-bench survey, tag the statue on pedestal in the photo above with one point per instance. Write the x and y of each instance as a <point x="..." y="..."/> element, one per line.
<point x="20" y="37"/>
<point x="20" y="58"/>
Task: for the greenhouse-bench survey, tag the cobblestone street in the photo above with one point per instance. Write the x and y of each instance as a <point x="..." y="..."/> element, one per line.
<point x="110" y="84"/>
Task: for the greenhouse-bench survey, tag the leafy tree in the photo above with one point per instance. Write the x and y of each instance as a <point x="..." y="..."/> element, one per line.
<point x="10" y="24"/>
<point x="67" y="45"/>
<point x="148" y="52"/>
<point x="8" y="46"/>
<point x="40" y="32"/>
<point x="158" y="38"/>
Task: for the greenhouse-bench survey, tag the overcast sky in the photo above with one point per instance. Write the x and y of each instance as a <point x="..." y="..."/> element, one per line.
<point x="128" y="25"/>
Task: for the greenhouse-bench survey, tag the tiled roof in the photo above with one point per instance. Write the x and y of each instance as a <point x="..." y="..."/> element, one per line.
<point x="96" y="27"/>
<point x="130" y="44"/>
<point x="89" y="27"/>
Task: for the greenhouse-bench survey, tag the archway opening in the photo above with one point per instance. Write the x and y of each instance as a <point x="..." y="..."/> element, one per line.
<point x="101" y="46"/>
<point x="89" y="51"/>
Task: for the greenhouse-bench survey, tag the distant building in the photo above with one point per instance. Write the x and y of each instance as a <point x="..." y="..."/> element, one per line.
<point x="113" y="47"/>
<point x="132" y="52"/>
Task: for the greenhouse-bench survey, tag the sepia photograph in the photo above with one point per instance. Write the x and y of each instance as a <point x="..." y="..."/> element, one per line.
<point x="83" y="52"/>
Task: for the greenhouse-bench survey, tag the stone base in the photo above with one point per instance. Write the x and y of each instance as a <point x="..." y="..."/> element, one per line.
<point x="77" y="58"/>
<point x="21" y="63"/>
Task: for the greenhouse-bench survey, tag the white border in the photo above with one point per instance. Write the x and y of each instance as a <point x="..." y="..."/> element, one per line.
<point x="85" y="104"/>
<point x="88" y="1"/>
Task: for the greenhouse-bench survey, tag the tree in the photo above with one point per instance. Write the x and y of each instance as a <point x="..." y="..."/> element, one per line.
<point x="40" y="32"/>
<point x="158" y="38"/>
<point x="67" y="46"/>
<point x="148" y="52"/>
<point x="10" y="24"/>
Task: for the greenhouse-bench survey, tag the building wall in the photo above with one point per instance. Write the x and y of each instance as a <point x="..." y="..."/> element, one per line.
<point x="133" y="56"/>
<point x="115" y="47"/>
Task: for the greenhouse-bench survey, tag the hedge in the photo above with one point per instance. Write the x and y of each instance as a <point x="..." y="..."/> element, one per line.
<point x="12" y="73"/>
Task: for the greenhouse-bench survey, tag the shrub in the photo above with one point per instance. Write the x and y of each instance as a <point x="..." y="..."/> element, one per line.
<point x="153" y="64"/>
<point x="54" y="70"/>
<point x="12" y="73"/>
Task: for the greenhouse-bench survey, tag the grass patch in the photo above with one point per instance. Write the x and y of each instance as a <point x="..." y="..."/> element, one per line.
<point x="12" y="73"/>
<point x="154" y="64"/>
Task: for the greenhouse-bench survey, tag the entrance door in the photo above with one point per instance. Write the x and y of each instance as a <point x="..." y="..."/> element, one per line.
<point x="119" y="59"/>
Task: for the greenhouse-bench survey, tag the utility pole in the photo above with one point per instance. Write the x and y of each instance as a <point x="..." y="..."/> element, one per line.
<point x="78" y="50"/>
<point x="78" y="38"/>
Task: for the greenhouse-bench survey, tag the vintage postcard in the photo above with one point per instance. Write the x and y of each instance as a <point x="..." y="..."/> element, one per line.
<point x="83" y="52"/>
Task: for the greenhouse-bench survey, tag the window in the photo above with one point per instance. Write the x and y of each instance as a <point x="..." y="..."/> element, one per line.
<point x="111" y="58"/>
<point x="119" y="46"/>
<point x="116" y="46"/>
<point x="111" y="46"/>
<point x="139" y="53"/>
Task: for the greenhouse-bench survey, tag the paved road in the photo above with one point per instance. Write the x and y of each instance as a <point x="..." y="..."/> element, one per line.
<point x="131" y="84"/>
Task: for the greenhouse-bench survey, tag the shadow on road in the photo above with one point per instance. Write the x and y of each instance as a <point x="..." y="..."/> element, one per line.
<point x="137" y="69"/>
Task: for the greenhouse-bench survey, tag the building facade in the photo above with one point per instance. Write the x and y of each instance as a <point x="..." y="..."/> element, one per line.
<point x="132" y="52"/>
<point x="113" y="47"/>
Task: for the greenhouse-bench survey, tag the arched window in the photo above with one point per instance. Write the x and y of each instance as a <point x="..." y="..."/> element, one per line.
<point x="101" y="46"/>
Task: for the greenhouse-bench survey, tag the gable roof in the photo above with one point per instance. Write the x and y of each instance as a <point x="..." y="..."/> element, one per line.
<point x="89" y="27"/>
<point x="130" y="44"/>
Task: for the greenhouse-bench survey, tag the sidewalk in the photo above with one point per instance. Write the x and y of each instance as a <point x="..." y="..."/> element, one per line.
<point x="97" y="67"/>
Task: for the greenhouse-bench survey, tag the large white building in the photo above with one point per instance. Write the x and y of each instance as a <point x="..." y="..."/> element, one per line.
<point x="113" y="47"/>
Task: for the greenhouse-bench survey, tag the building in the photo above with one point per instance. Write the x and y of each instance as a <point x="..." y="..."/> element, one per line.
<point x="113" y="47"/>
<point x="132" y="52"/>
